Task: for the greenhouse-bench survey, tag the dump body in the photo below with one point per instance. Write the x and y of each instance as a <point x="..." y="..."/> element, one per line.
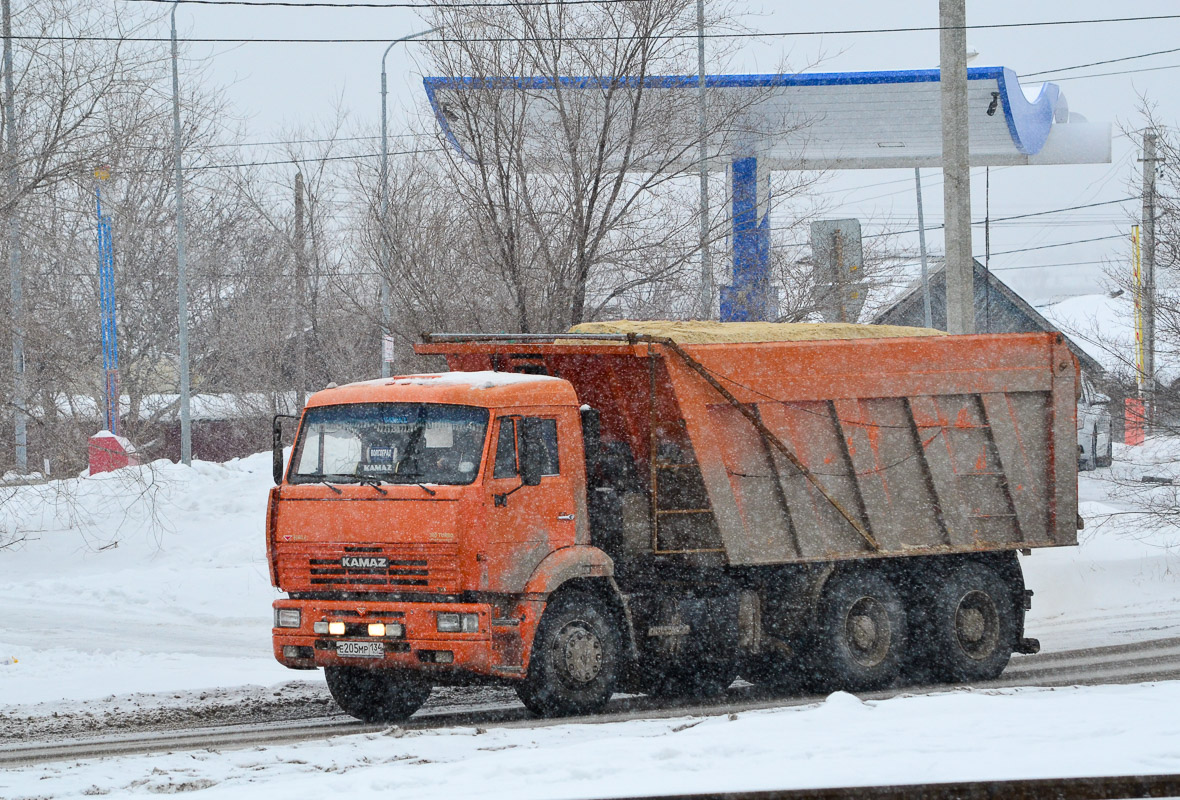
<point x="806" y="451"/>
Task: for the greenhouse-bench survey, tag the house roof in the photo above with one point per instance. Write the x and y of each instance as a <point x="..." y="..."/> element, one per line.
<point x="1018" y="315"/>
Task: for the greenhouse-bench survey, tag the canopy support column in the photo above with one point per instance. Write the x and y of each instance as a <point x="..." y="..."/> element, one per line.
<point x="750" y="297"/>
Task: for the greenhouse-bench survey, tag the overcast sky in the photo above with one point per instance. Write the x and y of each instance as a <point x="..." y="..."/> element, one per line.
<point x="279" y="87"/>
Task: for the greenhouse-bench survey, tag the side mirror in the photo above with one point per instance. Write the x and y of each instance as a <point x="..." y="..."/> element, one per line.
<point x="531" y="451"/>
<point x="276" y="446"/>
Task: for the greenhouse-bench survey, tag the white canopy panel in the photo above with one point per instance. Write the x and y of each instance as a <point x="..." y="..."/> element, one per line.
<point x="853" y="120"/>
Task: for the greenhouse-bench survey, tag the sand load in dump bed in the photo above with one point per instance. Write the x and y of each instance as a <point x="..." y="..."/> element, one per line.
<point x="708" y="332"/>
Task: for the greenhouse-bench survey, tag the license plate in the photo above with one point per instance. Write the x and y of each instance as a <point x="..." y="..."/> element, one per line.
<point x="360" y="649"/>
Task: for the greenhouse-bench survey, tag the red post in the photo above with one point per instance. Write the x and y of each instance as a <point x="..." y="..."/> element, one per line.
<point x="1136" y="418"/>
<point x="110" y="452"/>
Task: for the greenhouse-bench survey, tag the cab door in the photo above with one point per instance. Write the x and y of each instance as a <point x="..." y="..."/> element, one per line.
<point x="525" y="523"/>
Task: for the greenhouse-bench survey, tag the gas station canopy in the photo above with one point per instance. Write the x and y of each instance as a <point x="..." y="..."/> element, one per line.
<point x="828" y="120"/>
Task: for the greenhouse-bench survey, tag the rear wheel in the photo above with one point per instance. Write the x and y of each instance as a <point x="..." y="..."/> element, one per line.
<point x="862" y="632"/>
<point x="373" y="695"/>
<point x="968" y="624"/>
<point x="575" y="660"/>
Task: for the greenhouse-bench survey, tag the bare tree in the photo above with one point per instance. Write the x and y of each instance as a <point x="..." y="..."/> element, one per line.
<point x="580" y="188"/>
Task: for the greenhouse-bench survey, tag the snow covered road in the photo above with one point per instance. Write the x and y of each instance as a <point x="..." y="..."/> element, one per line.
<point x="258" y="719"/>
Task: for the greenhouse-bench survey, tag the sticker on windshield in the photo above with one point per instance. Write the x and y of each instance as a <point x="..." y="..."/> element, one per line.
<point x="382" y="455"/>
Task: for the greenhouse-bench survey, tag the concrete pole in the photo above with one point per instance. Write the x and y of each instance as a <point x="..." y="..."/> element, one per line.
<point x="186" y="428"/>
<point x="922" y="250"/>
<point x="1148" y="256"/>
<point x="20" y="413"/>
<point x="703" y="133"/>
<point x="383" y="189"/>
<point x="956" y="167"/>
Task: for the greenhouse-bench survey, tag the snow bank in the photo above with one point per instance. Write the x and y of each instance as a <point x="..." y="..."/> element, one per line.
<point x="147" y="578"/>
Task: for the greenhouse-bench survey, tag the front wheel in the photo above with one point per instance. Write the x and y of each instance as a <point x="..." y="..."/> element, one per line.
<point x="575" y="660"/>
<point x="373" y="695"/>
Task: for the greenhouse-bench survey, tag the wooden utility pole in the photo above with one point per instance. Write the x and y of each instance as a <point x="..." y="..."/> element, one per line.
<point x="300" y="297"/>
<point x="1149" y="162"/>
<point x="956" y="167"/>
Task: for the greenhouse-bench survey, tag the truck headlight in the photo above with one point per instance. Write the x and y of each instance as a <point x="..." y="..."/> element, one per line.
<point x="336" y="628"/>
<point x="458" y="623"/>
<point x="287" y="618"/>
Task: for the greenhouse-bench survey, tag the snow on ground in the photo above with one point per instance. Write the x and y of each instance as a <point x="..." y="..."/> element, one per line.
<point x="1122" y="584"/>
<point x="842" y="741"/>
<point x="145" y="579"/>
<point x="154" y="579"/>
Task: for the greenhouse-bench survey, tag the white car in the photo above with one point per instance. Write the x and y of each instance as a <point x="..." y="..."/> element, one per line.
<point x="1095" y="429"/>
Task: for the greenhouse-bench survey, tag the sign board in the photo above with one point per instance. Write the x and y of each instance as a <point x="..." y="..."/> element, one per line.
<point x="387" y="349"/>
<point x="839" y="289"/>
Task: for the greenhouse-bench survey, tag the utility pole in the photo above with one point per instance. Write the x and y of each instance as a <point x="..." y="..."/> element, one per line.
<point x="17" y="293"/>
<point x="300" y="295"/>
<point x="956" y="167"/>
<point x="186" y="427"/>
<point x="1149" y="161"/>
<point x="703" y="133"/>
<point x="922" y="250"/>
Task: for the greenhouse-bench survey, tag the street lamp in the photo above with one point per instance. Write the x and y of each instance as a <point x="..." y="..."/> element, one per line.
<point x="386" y="310"/>
<point x="186" y="433"/>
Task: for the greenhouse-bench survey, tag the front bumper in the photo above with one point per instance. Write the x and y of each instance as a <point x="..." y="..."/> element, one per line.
<point x="495" y="649"/>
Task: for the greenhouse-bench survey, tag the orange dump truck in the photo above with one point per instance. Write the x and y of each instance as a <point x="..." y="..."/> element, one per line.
<point x="584" y="513"/>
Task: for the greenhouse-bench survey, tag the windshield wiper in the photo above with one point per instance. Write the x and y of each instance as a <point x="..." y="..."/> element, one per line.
<point x="421" y="486"/>
<point x="324" y="481"/>
<point x="371" y="482"/>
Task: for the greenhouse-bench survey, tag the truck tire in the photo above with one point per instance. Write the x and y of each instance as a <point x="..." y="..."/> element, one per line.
<point x="576" y="658"/>
<point x="968" y="624"/>
<point x="862" y="632"/>
<point x="377" y="695"/>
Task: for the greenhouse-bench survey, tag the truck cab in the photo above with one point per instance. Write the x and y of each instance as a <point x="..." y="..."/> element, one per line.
<point x="420" y="525"/>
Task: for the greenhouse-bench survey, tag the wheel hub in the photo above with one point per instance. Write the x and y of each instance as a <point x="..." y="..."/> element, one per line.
<point x="581" y="653"/>
<point x="867" y="631"/>
<point x="977" y="624"/>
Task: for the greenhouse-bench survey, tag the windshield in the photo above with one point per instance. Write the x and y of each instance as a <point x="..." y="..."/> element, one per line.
<point x="390" y="442"/>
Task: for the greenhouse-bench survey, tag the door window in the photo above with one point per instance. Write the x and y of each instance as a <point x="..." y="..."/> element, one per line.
<point x="507" y="443"/>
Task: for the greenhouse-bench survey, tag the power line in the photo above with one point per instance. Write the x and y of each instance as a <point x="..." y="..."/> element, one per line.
<point x="1047" y="266"/>
<point x="1060" y="244"/>
<point x="1012" y="217"/>
<point x="1099" y="63"/>
<point x="668" y="37"/>
<point x="313" y="159"/>
<point x="1119" y="72"/>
